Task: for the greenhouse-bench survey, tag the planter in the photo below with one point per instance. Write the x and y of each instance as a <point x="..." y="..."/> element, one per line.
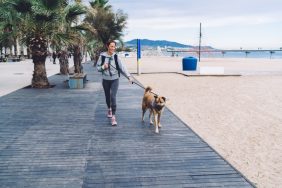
<point x="77" y="81"/>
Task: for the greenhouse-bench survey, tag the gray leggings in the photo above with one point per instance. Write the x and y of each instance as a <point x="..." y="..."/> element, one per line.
<point x="110" y="89"/>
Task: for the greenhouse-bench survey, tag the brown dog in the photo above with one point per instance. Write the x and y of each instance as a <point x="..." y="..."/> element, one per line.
<point x="155" y="104"/>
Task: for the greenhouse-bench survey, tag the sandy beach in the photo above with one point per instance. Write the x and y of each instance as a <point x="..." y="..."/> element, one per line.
<point x="239" y="116"/>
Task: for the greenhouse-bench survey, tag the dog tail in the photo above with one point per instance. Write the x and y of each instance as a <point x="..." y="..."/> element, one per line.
<point x="148" y="89"/>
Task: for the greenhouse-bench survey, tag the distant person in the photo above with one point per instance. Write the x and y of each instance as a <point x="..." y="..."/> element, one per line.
<point x="111" y="66"/>
<point x="48" y="56"/>
<point x="54" y="56"/>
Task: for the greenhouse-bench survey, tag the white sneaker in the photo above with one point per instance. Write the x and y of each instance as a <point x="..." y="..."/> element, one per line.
<point x="114" y="122"/>
<point x="109" y="115"/>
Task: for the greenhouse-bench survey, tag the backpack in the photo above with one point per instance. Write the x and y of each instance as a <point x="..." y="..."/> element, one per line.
<point x="116" y="61"/>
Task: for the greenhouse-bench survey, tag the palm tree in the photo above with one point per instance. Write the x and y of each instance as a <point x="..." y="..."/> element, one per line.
<point x="39" y="19"/>
<point x="73" y="37"/>
<point x="42" y="21"/>
<point x="77" y="28"/>
<point x="107" y="24"/>
<point x="9" y="20"/>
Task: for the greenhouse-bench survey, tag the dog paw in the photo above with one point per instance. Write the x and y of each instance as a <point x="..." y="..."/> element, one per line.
<point x="160" y="126"/>
<point x="151" y="123"/>
<point x="157" y="131"/>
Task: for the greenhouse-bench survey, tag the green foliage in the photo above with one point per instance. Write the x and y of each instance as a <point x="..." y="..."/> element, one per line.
<point x="108" y="25"/>
<point x="44" y="18"/>
<point x="22" y="6"/>
<point x="72" y="12"/>
<point x="102" y="4"/>
<point x="51" y="4"/>
<point x="58" y="22"/>
<point x="105" y="25"/>
<point x="9" y="19"/>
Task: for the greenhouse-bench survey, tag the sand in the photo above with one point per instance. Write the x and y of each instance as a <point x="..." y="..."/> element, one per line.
<point x="239" y="116"/>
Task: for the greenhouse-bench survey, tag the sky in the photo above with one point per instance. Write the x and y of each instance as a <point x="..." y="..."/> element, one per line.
<point x="226" y="24"/>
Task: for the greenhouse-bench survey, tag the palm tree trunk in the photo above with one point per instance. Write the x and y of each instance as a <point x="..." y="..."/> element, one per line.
<point x="77" y="59"/>
<point x="28" y="53"/>
<point x="38" y="46"/>
<point x="16" y="47"/>
<point x="39" y="77"/>
<point x="64" y="64"/>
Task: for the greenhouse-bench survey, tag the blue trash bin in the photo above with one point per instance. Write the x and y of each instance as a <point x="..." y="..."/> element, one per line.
<point x="189" y="63"/>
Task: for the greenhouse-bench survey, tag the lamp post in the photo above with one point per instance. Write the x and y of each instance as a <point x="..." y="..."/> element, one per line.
<point x="200" y="42"/>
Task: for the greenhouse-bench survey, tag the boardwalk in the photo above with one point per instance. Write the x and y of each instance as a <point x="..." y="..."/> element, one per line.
<point x="59" y="137"/>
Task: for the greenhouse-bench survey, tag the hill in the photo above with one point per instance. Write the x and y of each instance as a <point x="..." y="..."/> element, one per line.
<point x="156" y="43"/>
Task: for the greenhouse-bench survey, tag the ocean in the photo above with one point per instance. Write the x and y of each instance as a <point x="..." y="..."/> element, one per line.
<point x="263" y="54"/>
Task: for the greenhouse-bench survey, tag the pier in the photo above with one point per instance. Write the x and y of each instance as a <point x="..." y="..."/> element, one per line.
<point x="223" y="52"/>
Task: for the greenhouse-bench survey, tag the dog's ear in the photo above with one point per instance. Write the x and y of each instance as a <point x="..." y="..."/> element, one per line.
<point x="164" y="98"/>
<point x="156" y="96"/>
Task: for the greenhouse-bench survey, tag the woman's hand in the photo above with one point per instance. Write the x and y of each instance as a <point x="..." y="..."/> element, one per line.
<point x="105" y="66"/>
<point x="130" y="79"/>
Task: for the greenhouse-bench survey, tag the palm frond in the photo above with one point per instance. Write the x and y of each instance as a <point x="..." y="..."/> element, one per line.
<point x="73" y="11"/>
<point x="83" y="27"/>
<point x="22" y="6"/>
<point x="5" y="37"/>
<point x="44" y="17"/>
<point x="61" y="39"/>
<point x="51" y="4"/>
<point x="102" y="4"/>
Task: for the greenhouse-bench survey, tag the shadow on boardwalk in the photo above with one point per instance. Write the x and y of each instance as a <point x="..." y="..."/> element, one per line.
<point x="59" y="137"/>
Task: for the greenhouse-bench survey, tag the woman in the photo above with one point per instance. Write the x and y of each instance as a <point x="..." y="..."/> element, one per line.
<point x="110" y="66"/>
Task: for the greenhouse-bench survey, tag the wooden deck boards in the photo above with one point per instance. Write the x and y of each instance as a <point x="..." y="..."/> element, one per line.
<point x="61" y="137"/>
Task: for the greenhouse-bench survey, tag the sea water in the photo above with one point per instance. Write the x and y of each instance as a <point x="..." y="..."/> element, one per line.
<point x="256" y="54"/>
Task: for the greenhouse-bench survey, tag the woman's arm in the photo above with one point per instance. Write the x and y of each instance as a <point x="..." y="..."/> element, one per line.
<point x="99" y="65"/>
<point x="123" y="68"/>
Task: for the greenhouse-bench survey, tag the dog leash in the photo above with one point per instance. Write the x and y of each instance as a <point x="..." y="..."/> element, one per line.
<point x="133" y="82"/>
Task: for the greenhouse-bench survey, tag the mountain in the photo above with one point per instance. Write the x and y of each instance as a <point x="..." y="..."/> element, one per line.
<point x="156" y="43"/>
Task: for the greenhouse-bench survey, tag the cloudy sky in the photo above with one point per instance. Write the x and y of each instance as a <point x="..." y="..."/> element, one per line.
<point x="225" y="24"/>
